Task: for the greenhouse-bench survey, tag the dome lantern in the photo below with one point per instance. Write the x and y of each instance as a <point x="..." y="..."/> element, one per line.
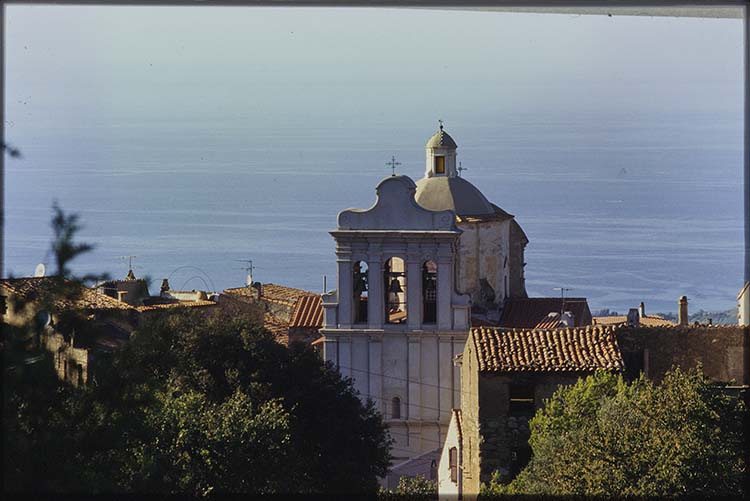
<point x="441" y="155"/>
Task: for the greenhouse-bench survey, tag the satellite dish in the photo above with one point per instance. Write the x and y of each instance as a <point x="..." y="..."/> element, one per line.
<point x="40" y="270"/>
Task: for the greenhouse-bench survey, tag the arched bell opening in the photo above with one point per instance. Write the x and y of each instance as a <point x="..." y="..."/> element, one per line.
<point x="360" y="288"/>
<point x="429" y="292"/>
<point x="395" y="291"/>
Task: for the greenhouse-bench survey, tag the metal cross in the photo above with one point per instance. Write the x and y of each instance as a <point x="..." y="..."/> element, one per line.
<point x="392" y="164"/>
<point x="441" y="124"/>
<point x="461" y="169"/>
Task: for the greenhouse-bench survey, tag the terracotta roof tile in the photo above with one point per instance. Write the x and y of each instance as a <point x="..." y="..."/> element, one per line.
<point x="459" y="424"/>
<point x="549" y="322"/>
<point x="647" y="321"/>
<point x="278" y="328"/>
<point x="308" y="312"/>
<point x="307" y="308"/>
<point x="272" y="292"/>
<point x="577" y="349"/>
<point x="34" y="286"/>
<point x="180" y="304"/>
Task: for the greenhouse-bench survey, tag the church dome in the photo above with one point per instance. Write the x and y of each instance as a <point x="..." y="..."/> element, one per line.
<point x="452" y="193"/>
<point x="441" y="139"/>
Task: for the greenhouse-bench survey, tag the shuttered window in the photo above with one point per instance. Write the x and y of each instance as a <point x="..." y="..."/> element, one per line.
<point x="453" y="461"/>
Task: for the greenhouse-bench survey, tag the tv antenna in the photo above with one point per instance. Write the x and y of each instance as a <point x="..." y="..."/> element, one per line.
<point x="562" y="290"/>
<point x="248" y="270"/>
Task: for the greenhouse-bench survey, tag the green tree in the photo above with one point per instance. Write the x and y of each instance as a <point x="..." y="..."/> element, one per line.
<point x="36" y="410"/>
<point x="411" y="488"/>
<point x="338" y="443"/>
<point x="195" y="403"/>
<point x="604" y="437"/>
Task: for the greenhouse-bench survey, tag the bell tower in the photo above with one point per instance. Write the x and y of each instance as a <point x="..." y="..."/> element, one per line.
<point x="395" y="323"/>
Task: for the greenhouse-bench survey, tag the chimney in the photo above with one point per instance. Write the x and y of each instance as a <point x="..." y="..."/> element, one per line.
<point x="682" y="311"/>
<point x="164" y="285"/>
<point x="568" y="319"/>
<point x="258" y="290"/>
<point x="634" y="319"/>
<point x="641" y="310"/>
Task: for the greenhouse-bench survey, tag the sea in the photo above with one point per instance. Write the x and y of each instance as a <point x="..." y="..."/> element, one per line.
<point x="619" y="207"/>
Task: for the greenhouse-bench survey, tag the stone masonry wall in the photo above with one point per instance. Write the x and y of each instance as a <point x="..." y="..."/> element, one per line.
<point x="470" y="421"/>
<point x="722" y="350"/>
<point x="500" y="432"/>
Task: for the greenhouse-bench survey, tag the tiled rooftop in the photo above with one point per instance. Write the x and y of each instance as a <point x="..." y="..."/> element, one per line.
<point x="278" y="328"/>
<point x="272" y="292"/>
<point x="578" y="349"/>
<point x="166" y="306"/>
<point x="308" y="312"/>
<point x="33" y="287"/>
<point x="647" y="321"/>
<point x="551" y="321"/>
<point x="459" y="424"/>
<point x="307" y="306"/>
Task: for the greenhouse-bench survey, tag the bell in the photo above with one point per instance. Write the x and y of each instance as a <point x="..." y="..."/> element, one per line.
<point x="395" y="286"/>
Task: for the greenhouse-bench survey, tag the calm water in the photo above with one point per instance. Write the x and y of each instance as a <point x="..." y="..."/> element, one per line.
<point x="620" y="207"/>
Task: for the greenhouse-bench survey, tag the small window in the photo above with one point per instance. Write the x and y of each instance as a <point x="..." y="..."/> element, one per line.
<point x="453" y="461"/>
<point x="396" y="408"/>
<point x="521" y="400"/>
<point x="79" y="368"/>
<point x="440" y="165"/>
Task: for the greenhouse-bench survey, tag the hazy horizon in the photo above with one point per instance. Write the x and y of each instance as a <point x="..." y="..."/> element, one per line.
<point x="199" y="136"/>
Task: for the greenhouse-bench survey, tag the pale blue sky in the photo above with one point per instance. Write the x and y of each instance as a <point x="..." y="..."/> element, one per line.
<point x="349" y="61"/>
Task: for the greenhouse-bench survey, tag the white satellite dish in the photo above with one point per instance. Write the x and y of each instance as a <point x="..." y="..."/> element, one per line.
<point x="40" y="270"/>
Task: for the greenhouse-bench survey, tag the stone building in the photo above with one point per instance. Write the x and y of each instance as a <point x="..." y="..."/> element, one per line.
<point x="490" y="252"/>
<point x="505" y="377"/>
<point x="289" y="314"/>
<point x="396" y="321"/>
<point x="722" y="351"/>
<point x="131" y="290"/>
<point x="100" y="324"/>
<point x="77" y="324"/>
<point x="412" y="270"/>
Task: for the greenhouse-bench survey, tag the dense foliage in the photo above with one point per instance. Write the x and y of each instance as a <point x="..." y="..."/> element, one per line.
<point x="603" y="437"/>
<point x="195" y="405"/>
<point x="408" y="488"/>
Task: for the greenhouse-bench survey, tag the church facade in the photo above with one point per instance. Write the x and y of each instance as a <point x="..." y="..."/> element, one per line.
<point x="413" y="270"/>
